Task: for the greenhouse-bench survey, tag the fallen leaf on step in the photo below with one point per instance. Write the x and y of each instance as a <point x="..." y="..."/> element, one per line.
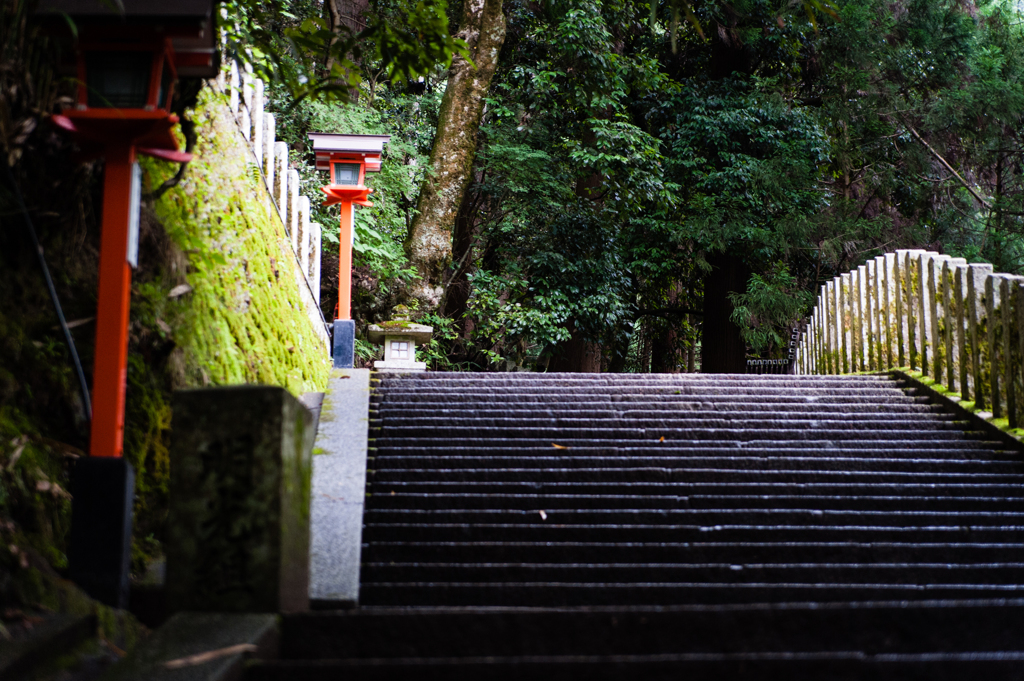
<point x="558" y="446"/>
<point x="543" y="515"/>
<point x="661" y="439"/>
<point x="202" y="658"/>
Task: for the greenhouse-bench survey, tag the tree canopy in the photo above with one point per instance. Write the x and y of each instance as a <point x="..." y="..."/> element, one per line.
<point x="629" y="155"/>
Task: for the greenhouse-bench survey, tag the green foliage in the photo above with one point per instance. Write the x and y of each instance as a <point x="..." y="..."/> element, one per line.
<point x="293" y="45"/>
<point x="767" y="309"/>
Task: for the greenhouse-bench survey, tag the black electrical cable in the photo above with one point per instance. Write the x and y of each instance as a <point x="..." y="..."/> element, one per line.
<point x="68" y="338"/>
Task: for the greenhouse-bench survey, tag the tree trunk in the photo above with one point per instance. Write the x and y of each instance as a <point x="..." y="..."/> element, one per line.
<point x="722" y="348"/>
<point x="457" y="291"/>
<point x="577" y="356"/>
<point x="429" y="245"/>
<point x="348" y="14"/>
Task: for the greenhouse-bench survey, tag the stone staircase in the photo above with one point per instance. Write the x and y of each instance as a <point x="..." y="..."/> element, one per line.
<point x="664" y="526"/>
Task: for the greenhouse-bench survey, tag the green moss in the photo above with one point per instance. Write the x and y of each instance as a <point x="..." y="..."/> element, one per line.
<point x="244" y="321"/>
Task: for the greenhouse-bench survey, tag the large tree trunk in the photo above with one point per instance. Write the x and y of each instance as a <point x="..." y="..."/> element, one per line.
<point x="347" y="14"/>
<point x="722" y="348"/>
<point x="576" y="355"/>
<point x="429" y="245"/>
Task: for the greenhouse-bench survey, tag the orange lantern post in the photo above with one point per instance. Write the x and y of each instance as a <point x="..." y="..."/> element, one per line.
<point x="348" y="158"/>
<point x="126" y="65"/>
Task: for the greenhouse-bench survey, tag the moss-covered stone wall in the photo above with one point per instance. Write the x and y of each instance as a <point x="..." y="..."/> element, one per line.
<point x="215" y="301"/>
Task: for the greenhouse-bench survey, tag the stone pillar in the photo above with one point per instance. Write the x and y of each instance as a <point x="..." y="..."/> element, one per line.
<point x="246" y="119"/>
<point x="257" y="121"/>
<point x="293" y="208"/>
<point x="303" y="251"/>
<point x="856" y="321"/>
<point x="269" y="133"/>
<point x="950" y="317"/>
<point x="860" y="296"/>
<point x="922" y="310"/>
<point x="281" y="188"/>
<point x="238" y="529"/>
<point x="835" y="309"/>
<point x="315" y="236"/>
<point x="829" y="328"/>
<point x="1009" y="356"/>
<point x="936" y="310"/>
<point x="874" y="344"/>
<point x="900" y="291"/>
<point x="1017" y="374"/>
<point x="247" y="90"/>
<point x="846" y="321"/>
<point x="977" y="331"/>
<point x="963" y="361"/>
<point x="994" y="343"/>
<point x="233" y="86"/>
<point x="887" y="312"/>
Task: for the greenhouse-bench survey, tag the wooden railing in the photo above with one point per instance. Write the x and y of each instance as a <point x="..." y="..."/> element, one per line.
<point x="958" y="324"/>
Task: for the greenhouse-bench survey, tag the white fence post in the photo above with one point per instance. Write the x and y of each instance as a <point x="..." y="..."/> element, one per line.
<point x="293" y="207"/>
<point x="257" y="121"/>
<point x="233" y="91"/>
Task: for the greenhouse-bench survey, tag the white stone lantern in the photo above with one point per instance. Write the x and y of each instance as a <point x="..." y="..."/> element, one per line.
<point x="400" y="338"/>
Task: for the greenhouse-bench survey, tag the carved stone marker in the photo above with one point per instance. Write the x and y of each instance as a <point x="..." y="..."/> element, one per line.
<point x="238" y="531"/>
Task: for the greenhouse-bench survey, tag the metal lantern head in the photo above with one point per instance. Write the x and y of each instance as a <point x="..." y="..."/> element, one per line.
<point x="126" y="76"/>
<point x="126" y="57"/>
<point x="348" y="158"/>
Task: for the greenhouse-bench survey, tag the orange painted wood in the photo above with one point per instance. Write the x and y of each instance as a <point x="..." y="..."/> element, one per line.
<point x="110" y="367"/>
<point x="345" y="261"/>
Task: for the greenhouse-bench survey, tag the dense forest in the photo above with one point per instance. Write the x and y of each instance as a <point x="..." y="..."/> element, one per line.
<point x="570" y="185"/>
<point x="611" y="186"/>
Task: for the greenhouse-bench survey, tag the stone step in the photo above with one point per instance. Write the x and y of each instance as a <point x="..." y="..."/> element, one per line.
<point x="591" y="532"/>
<point x="689" y="411"/>
<point x="428" y="425"/>
<point x="385" y="499"/>
<point x="539" y="436"/>
<point x="782" y="490"/>
<point x="913" y="574"/>
<point x="670" y="399"/>
<point x="875" y="627"/>
<point x="619" y="474"/>
<point x="690" y="516"/>
<point x="574" y="594"/>
<point x="816" y="461"/>
<point x="472" y="394"/>
<point x="694" y="552"/>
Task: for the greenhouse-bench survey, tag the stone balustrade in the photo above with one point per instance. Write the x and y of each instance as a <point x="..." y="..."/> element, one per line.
<point x="246" y="99"/>
<point x="960" y="324"/>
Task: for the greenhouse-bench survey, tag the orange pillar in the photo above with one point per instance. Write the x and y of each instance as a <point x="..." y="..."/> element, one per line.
<point x="110" y="367"/>
<point x="345" y="261"/>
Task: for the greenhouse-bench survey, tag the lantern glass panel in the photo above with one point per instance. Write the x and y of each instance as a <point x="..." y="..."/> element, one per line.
<point x="346" y="173"/>
<point x="166" y="80"/>
<point x="118" y="79"/>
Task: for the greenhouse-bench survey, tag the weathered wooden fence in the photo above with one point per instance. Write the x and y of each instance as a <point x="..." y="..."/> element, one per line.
<point x="957" y="323"/>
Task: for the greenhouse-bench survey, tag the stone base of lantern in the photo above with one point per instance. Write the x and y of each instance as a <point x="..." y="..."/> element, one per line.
<point x="398" y="365"/>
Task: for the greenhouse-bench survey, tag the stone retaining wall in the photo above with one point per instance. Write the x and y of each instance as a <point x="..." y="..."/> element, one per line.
<point x="246" y="102"/>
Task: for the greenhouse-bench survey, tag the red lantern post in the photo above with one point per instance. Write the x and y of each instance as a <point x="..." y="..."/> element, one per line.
<point x="348" y="158"/>
<point x="126" y="66"/>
